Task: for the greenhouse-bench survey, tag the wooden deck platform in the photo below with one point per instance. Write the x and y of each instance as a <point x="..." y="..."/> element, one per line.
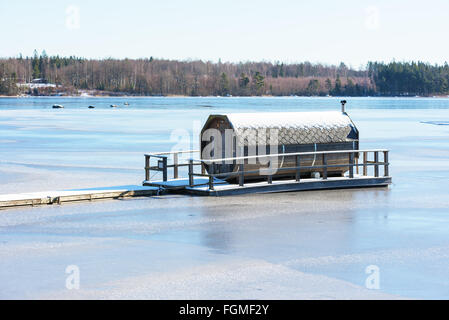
<point x="210" y="184"/>
<point x="57" y="197"/>
<point x="182" y="183"/>
<point x="201" y="188"/>
<point x="222" y="188"/>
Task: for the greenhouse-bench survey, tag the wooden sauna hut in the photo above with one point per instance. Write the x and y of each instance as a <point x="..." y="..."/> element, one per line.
<point x="243" y="133"/>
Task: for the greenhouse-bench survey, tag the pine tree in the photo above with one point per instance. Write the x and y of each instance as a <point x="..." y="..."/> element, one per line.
<point x="258" y="82"/>
<point x="224" y="85"/>
<point x="35" y="65"/>
<point x="337" y="88"/>
<point x="328" y="85"/>
<point x="243" y="81"/>
<point x="350" y="88"/>
<point x="313" y="87"/>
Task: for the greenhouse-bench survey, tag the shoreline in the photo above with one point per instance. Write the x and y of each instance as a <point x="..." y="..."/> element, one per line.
<point x="184" y="97"/>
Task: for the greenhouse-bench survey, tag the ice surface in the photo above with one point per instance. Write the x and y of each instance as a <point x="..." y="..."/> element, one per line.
<point x="291" y="245"/>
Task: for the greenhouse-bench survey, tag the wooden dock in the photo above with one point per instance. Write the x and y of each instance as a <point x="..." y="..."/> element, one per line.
<point x="58" y="197"/>
<point x="210" y="183"/>
<point x="222" y="188"/>
<point x="213" y="184"/>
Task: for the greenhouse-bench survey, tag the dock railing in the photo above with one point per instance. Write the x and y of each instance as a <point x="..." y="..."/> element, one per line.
<point x="163" y="164"/>
<point x="353" y="164"/>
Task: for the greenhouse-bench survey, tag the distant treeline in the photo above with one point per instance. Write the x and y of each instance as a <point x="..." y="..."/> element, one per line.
<point x="203" y="78"/>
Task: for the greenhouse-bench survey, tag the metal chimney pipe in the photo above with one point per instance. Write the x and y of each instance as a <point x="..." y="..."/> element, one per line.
<point x="343" y="102"/>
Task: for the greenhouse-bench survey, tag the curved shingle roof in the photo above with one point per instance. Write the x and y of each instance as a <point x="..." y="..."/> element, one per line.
<point x="291" y="127"/>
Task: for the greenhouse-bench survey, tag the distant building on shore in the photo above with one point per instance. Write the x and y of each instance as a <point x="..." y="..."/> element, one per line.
<point x="37" y="83"/>
<point x="39" y="80"/>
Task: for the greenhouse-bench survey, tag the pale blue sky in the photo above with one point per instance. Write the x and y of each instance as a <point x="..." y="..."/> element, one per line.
<point x="319" y="31"/>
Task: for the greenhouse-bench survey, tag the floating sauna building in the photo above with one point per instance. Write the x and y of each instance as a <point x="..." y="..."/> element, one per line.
<point x="243" y="133"/>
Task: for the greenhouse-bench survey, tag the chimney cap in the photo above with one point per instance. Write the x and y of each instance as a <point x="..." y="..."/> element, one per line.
<point x="343" y="102"/>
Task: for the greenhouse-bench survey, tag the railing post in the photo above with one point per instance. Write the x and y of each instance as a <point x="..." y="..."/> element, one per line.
<point x="386" y="166"/>
<point x="325" y="166"/>
<point x="298" y="170"/>
<point x="190" y="173"/>
<point x="175" y="166"/>
<point x="376" y="165"/>
<point x="241" y="174"/>
<point x="147" y="168"/>
<point x="365" y="163"/>
<point x="351" y="165"/>
<point x="203" y="168"/>
<point x="269" y="176"/>
<point x="164" y="169"/>
<point x="211" y="177"/>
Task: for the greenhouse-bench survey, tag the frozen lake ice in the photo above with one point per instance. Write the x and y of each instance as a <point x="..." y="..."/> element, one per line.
<point x="308" y="245"/>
